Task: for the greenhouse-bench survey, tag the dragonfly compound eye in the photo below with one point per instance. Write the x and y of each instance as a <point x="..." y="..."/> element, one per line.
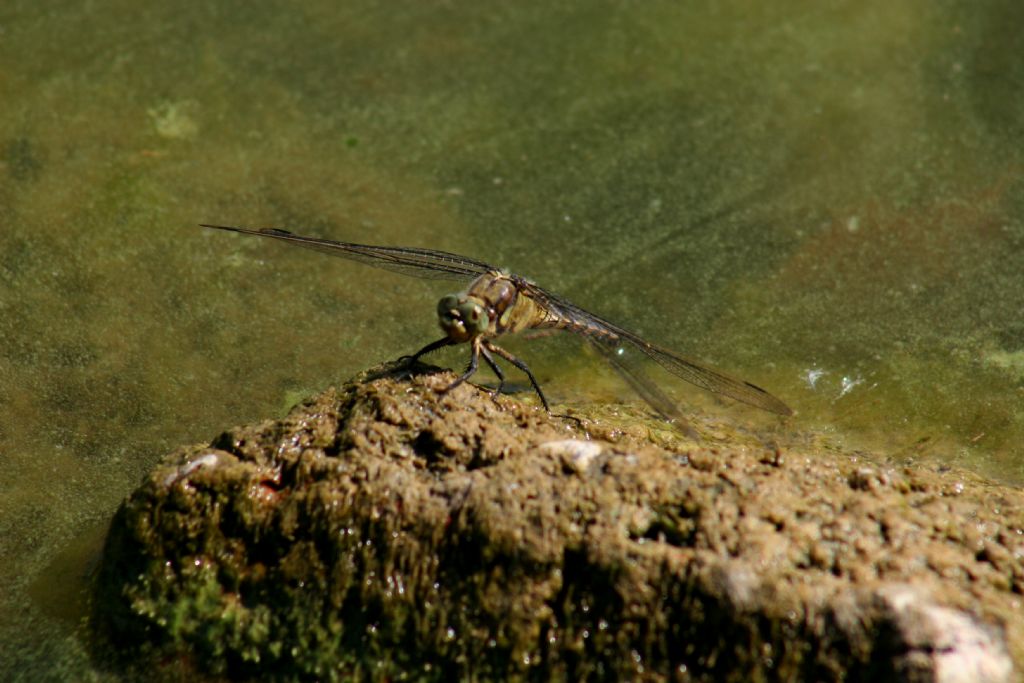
<point x="473" y="316"/>
<point x="446" y="305"/>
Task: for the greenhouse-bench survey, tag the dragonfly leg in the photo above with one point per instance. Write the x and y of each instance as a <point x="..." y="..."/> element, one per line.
<point x="432" y="346"/>
<point x="497" y="370"/>
<point x="474" y="363"/>
<point x="522" y="366"/>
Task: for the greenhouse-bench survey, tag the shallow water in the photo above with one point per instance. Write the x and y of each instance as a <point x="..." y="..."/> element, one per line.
<point x="824" y="199"/>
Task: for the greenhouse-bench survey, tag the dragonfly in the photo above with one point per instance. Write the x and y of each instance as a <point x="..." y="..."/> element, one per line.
<point x="496" y="302"/>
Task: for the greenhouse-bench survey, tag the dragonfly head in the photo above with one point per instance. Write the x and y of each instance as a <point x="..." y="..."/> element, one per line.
<point x="462" y="317"/>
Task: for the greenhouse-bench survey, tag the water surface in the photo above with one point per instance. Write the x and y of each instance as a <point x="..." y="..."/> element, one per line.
<point x="825" y="198"/>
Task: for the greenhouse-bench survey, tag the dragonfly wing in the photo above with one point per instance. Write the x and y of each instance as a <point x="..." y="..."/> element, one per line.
<point x="712" y="380"/>
<point x="637" y="379"/>
<point x="564" y="314"/>
<point x="625" y="363"/>
<point x="423" y="263"/>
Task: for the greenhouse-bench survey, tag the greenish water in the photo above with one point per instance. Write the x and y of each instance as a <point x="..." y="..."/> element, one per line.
<point x="782" y="191"/>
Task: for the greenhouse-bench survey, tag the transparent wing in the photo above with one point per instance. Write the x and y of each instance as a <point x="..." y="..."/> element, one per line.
<point x="608" y="335"/>
<point x="637" y="379"/>
<point x="423" y="263"/>
<point x="625" y="363"/>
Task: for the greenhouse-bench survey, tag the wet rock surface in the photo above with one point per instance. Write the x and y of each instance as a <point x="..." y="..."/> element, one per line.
<point x="388" y="531"/>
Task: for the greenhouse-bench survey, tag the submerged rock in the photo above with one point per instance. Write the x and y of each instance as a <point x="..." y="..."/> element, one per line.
<point x="388" y="531"/>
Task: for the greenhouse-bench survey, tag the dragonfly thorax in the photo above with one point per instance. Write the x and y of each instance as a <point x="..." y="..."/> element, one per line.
<point x="462" y="317"/>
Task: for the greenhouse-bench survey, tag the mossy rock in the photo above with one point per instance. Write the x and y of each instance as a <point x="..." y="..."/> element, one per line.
<point x="392" y="531"/>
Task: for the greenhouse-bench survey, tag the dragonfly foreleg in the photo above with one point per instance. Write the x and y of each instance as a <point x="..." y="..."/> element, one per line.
<point x="474" y="363"/>
<point x="497" y="370"/>
<point x="522" y="366"/>
<point x="432" y="346"/>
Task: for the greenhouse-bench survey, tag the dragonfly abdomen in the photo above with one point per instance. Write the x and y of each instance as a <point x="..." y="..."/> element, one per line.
<point x="554" y="319"/>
